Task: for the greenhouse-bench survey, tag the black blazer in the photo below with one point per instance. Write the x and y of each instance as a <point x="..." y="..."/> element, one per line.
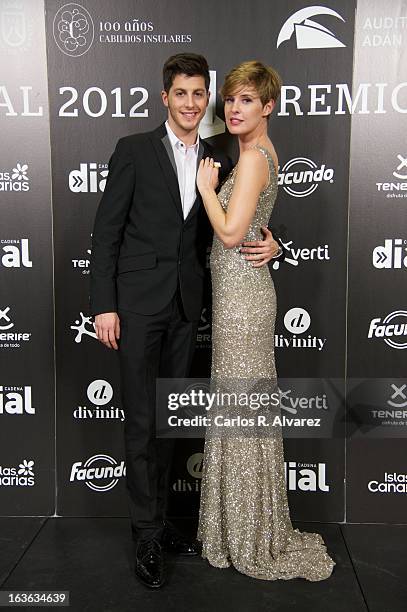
<point x="142" y="247"/>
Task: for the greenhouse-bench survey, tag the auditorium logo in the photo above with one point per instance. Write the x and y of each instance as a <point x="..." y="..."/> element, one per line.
<point x="90" y="178"/>
<point x="390" y="482"/>
<point x="15" y="179"/>
<point x="73" y="29"/>
<point x="16" y="400"/>
<point x="310" y="34"/>
<point x="306" y="476"/>
<point x="101" y="473"/>
<point x="301" y="176"/>
<point x="392" y="329"/>
<point x="393" y="254"/>
<point x="194" y="468"/>
<point x="294" y="255"/>
<point x="396" y="188"/>
<point x="15" y="253"/>
<point x="100" y="395"/>
<point x="83" y="327"/>
<point x="20" y="476"/>
<point x="297" y="322"/>
<point x="9" y="337"/>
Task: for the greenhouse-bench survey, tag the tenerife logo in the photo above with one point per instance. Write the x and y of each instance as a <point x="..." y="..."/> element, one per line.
<point x="15" y="180"/>
<point x="396" y="186"/>
<point x="397" y="414"/>
<point x="394" y="400"/>
<point x="16" y="400"/>
<point x="73" y="29"/>
<point x="308" y="33"/>
<point x="15" y="253"/>
<point x="21" y="476"/>
<point x="297" y="321"/>
<point x="294" y="255"/>
<point x="100" y="394"/>
<point x="393" y="329"/>
<point x="86" y="179"/>
<point x="203" y="336"/>
<point x="5" y="321"/>
<point x="84" y="326"/>
<point x="306" y="476"/>
<point x="8" y="338"/>
<point x="100" y="473"/>
<point x="301" y="176"/>
<point x="392" y="255"/>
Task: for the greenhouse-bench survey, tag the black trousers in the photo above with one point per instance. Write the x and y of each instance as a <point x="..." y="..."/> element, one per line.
<point x="151" y="346"/>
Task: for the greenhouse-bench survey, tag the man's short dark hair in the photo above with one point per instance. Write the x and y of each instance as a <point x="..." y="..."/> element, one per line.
<point x="190" y="64"/>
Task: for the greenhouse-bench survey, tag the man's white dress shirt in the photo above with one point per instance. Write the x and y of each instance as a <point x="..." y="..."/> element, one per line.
<point x="185" y="159"/>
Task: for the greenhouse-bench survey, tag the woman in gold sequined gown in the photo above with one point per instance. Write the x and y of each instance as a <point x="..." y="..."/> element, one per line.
<point x="244" y="516"/>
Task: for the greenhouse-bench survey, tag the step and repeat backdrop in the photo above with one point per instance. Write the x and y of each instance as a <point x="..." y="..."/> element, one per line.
<point x="74" y="78"/>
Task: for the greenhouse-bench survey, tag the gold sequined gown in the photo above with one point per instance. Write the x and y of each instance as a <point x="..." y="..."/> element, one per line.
<point x="244" y="517"/>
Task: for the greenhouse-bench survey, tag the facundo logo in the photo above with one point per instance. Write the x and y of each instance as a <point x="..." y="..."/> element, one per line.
<point x="294" y="255"/>
<point x="392" y="255"/>
<point x="194" y="467"/>
<point x="301" y="176"/>
<point x="397" y="415"/>
<point x="306" y="476"/>
<point x="16" y="253"/>
<point x="7" y="336"/>
<point x="15" y="180"/>
<point x="297" y="321"/>
<point x="100" y="393"/>
<point x="86" y="180"/>
<point x="100" y="473"/>
<point x="73" y="29"/>
<point x="16" y="31"/>
<point x="393" y="329"/>
<point x="23" y="476"/>
<point x="16" y="400"/>
<point x="391" y="483"/>
<point x="85" y="326"/>
<point x="308" y="33"/>
<point x="394" y="187"/>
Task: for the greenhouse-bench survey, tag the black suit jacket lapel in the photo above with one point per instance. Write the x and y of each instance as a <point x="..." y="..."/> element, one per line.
<point x="166" y="159"/>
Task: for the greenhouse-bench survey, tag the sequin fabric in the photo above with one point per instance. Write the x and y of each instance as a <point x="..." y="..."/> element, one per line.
<point x="244" y="517"/>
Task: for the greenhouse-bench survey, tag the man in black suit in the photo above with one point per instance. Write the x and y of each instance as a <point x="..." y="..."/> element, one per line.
<point x="148" y="262"/>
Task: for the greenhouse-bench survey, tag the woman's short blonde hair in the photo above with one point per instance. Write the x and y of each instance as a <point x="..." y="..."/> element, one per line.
<point x="265" y="80"/>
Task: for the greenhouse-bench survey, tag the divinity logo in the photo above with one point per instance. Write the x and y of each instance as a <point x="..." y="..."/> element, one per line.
<point x="100" y="394"/>
<point x="308" y="33"/>
<point x="194" y="467"/>
<point x="297" y="321"/>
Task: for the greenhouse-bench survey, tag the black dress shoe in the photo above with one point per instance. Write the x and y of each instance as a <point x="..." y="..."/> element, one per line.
<point x="174" y="542"/>
<point x="149" y="564"/>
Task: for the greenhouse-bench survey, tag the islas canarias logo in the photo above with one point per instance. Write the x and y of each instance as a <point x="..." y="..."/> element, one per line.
<point x="310" y="34"/>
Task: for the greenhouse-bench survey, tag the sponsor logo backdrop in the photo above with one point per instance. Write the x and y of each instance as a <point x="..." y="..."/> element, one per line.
<point x="103" y="68"/>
